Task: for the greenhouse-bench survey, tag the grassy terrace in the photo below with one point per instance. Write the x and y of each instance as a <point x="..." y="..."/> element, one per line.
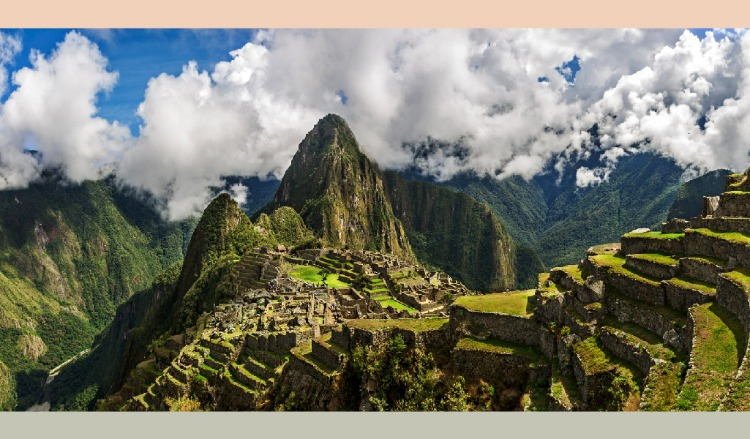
<point x="635" y="275"/>
<point x="311" y="274"/>
<point x="564" y="388"/>
<point x="707" y="260"/>
<point x="304" y="353"/>
<point x="386" y="301"/>
<point x="654" y="235"/>
<point x="325" y="340"/>
<point x="604" y="249"/>
<point x="738" y="399"/>
<point x="656" y="258"/>
<point x="741" y="277"/>
<point x="608" y="261"/>
<point x="715" y="358"/>
<point x="515" y="303"/>
<point x="735" y="237"/>
<point x="596" y="359"/>
<point x="501" y="347"/>
<point x="574" y="272"/>
<point x="336" y="263"/>
<point x="635" y="334"/>
<point x="692" y="284"/>
<point x="669" y="313"/>
<point x="416" y="325"/>
<point x="661" y="387"/>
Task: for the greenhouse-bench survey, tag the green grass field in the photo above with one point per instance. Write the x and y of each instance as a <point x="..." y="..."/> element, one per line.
<point x="515" y="303"/>
<point x="654" y="235"/>
<point x="718" y="335"/>
<point x="310" y="273"/>
<point x="416" y="325"/>
<point x="656" y="258"/>
<point x="396" y="305"/>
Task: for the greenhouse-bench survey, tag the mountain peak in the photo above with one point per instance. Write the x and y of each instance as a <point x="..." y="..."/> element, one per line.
<point x="330" y="136"/>
<point x="339" y="193"/>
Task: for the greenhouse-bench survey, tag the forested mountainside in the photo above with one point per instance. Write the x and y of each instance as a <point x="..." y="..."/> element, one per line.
<point x="556" y="220"/>
<point x="175" y="300"/>
<point x="689" y="200"/>
<point x="69" y="255"/>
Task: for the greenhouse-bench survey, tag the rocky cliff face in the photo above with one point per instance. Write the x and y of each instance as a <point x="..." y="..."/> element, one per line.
<point x="339" y="193"/>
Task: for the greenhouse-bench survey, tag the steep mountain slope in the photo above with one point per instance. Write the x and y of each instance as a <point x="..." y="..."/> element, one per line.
<point x="638" y="194"/>
<point x="689" y="200"/>
<point x="557" y="221"/>
<point x="454" y="232"/>
<point x="176" y="298"/>
<point x="339" y="193"/>
<point x="7" y="392"/>
<point x="70" y="254"/>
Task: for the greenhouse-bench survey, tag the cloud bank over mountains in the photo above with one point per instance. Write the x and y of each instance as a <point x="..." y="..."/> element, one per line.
<point x="497" y="102"/>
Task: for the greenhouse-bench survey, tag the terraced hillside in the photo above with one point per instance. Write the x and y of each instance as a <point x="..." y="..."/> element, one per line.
<point x="657" y="322"/>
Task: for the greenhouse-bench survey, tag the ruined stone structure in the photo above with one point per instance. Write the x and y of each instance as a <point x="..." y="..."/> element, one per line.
<point x="659" y="321"/>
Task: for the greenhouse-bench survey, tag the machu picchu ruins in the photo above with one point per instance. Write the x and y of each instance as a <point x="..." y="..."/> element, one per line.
<point x="656" y="322"/>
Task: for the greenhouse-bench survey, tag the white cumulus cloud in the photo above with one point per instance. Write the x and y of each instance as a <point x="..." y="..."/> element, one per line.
<point x="497" y="102"/>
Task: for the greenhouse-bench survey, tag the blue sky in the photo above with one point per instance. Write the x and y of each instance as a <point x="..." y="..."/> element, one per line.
<point x="138" y="55"/>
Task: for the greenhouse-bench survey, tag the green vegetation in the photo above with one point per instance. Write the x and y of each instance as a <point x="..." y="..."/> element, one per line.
<point x="416" y="325"/>
<point x="736" y="237"/>
<point x="738" y="399"/>
<point x="707" y="260"/>
<point x="595" y="359"/>
<point x="312" y="274"/>
<point x="741" y="277"/>
<point x="408" y="379"/>
<point x="396" y="305"/>
<point x="656" y="258"/>
<point x="638" y="193"/>
<point x="717" y="337"/>
<point x="69" y="255"/>
<point x="692" y="284"/>
<point x="688" y="202"/>
<point x="501" y="347"/>
<point x="7" y="389"/>
<point x="672" y="315"/>
<point x="575" y="273"/>
<point x="515" y="303"/>
<point x="654" y="235"/>
<point x="610" y="261"/>
<point x="635" y="275"/>
<point x="638" y="335"/>
<point x="455" y="233"/>
<point x="661" y="387"/>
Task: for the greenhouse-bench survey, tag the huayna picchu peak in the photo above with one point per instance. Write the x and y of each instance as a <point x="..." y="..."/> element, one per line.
<point x="339" y="193"/>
